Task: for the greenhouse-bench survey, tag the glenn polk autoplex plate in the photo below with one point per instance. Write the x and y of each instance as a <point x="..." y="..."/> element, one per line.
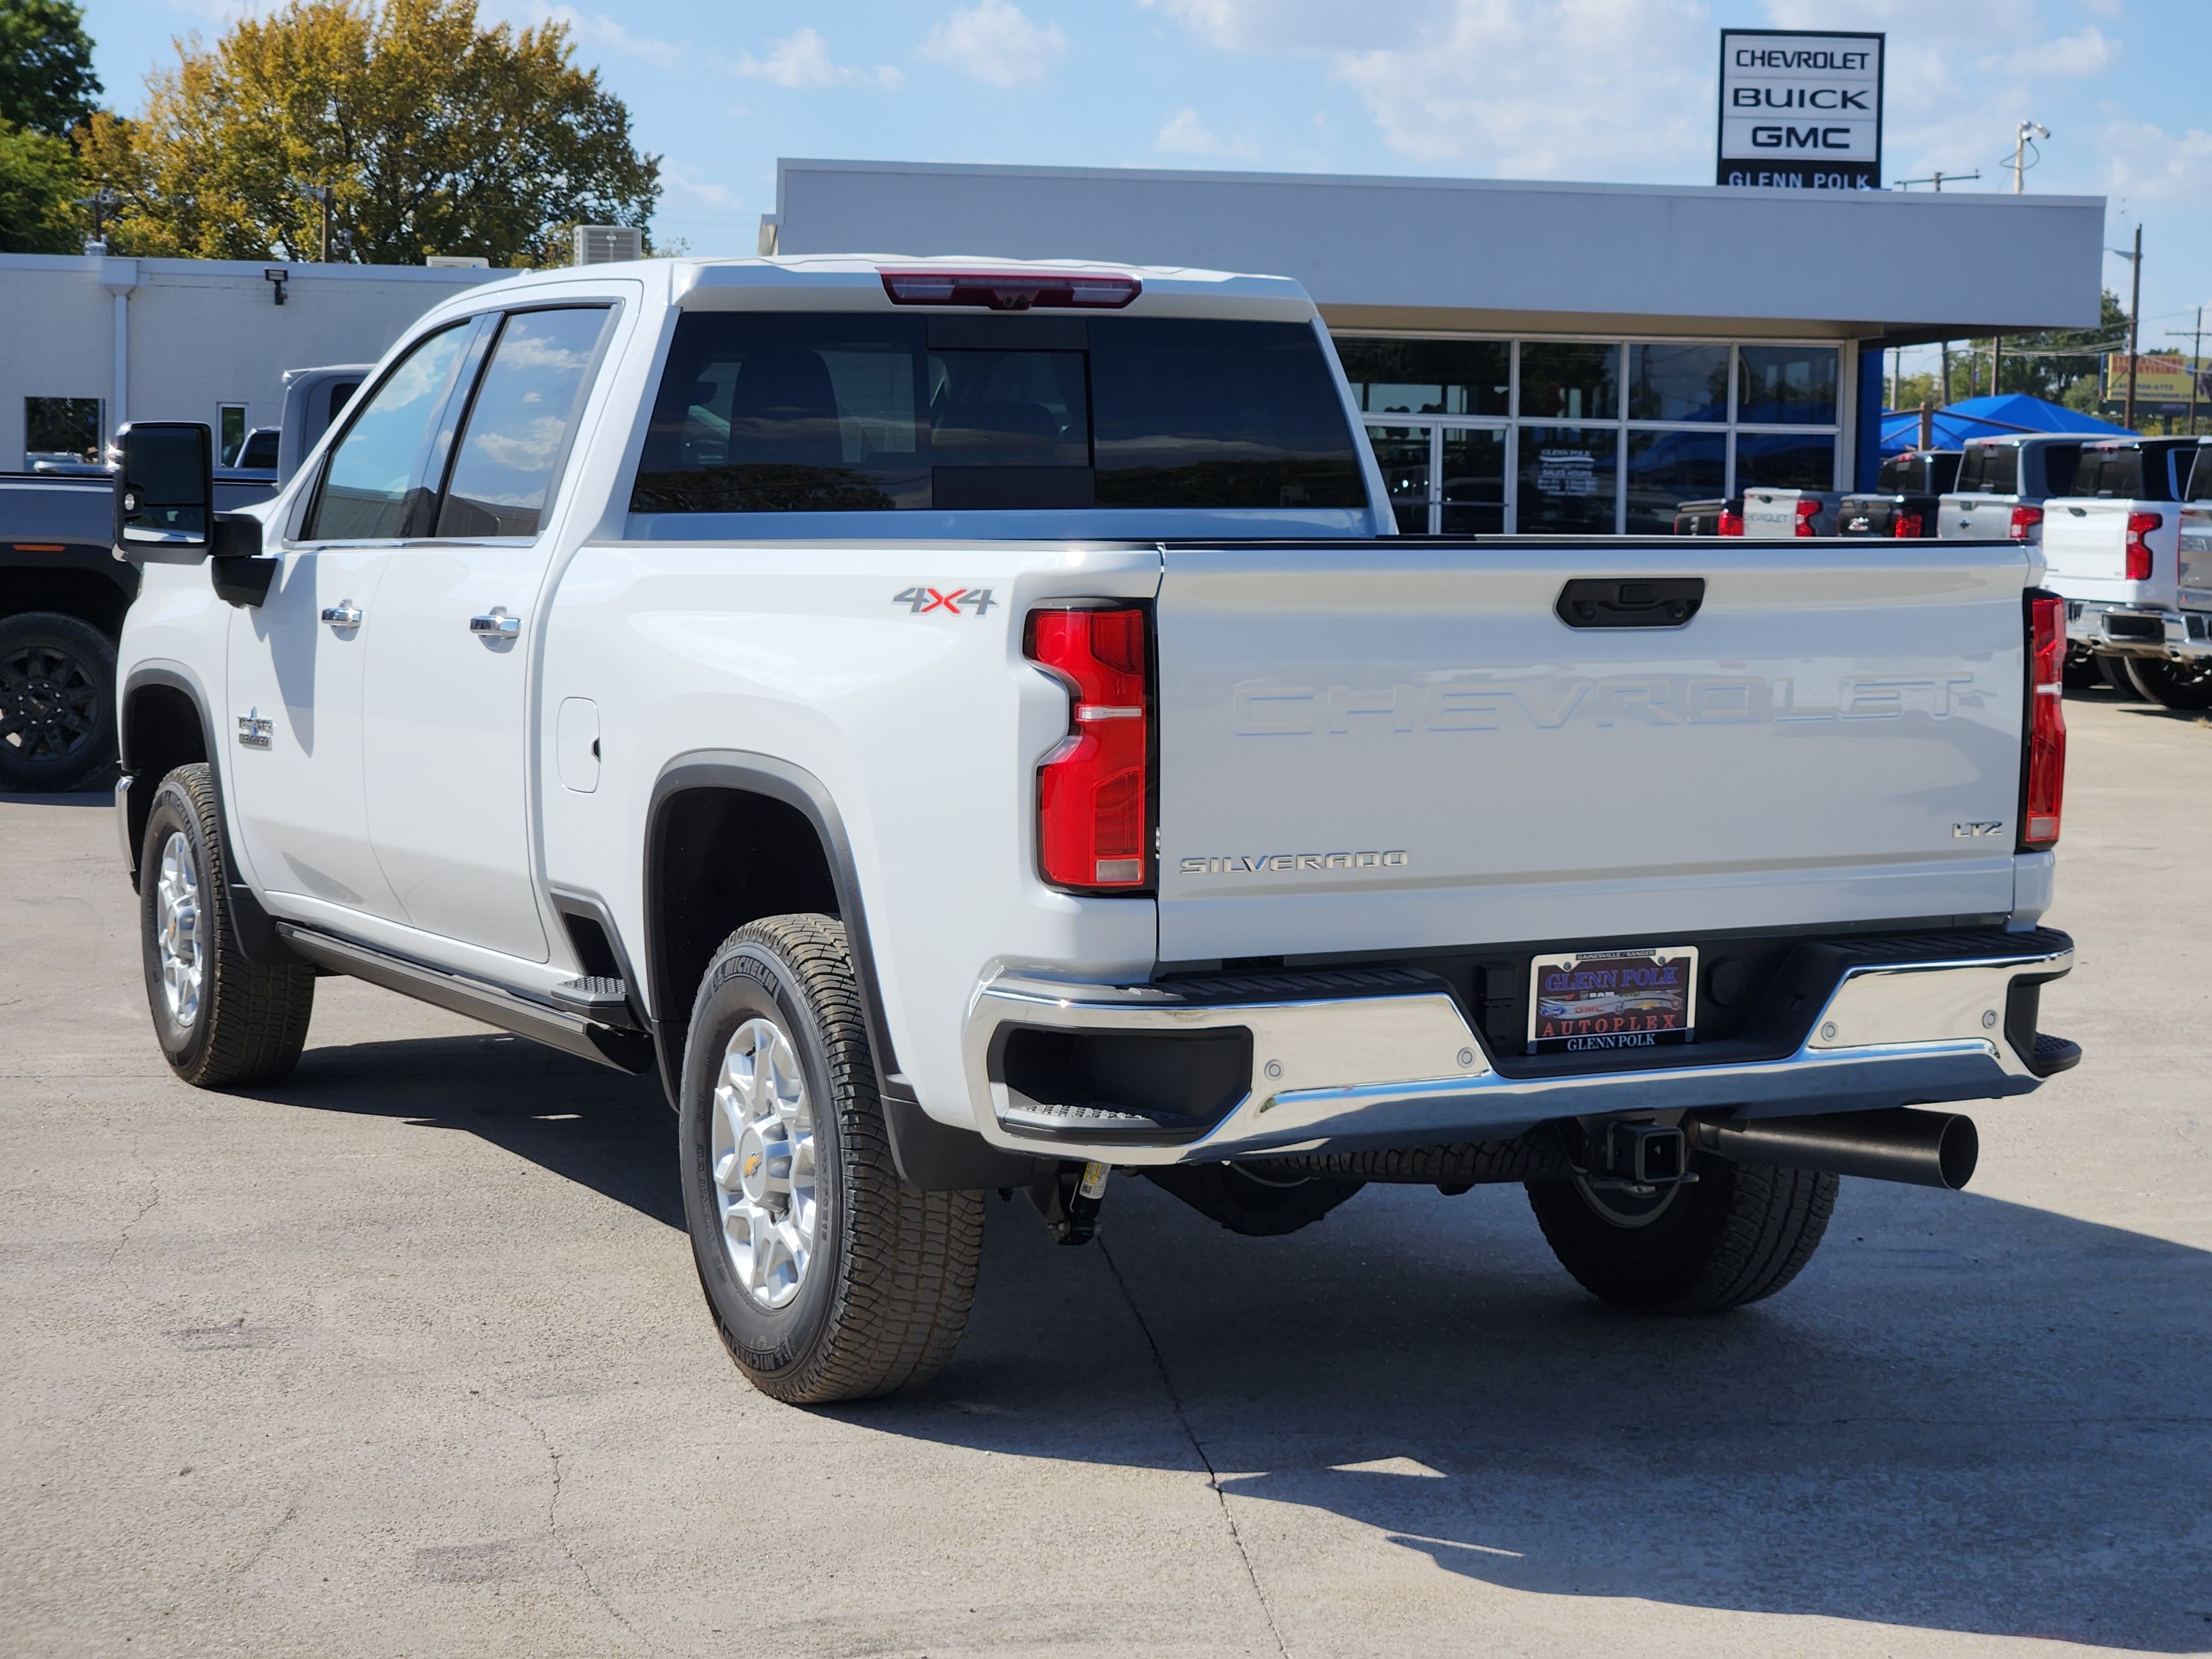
<point x="1597" y="999"/>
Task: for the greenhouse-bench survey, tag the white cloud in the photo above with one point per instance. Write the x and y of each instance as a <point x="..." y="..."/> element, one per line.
<point x="701" y="192"/>
<point x="2147" y="163"/>
<point x="803" y="60"/>
<point x="1184" y="134"/>
<point x="2087" y="53"/>
<point x="993" y="41"/>
<point x="602" y="31"/>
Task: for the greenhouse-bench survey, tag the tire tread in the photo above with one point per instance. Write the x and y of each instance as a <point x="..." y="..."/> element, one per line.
<point x="906" y="1270"/>
<point x="258" y="1016"/>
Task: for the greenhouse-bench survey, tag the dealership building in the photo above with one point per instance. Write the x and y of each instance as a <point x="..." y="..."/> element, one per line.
<point x="1531" y="357"/>
<point x="1539" y="357"/>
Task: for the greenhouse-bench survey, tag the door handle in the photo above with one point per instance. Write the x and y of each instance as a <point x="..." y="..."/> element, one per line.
<point x="499" y="625"/>
<point x="1604" y="602"/>
<point x="344" y="614"/>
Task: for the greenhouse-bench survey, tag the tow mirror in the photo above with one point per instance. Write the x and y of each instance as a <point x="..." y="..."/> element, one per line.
<point x="164" y="491"/>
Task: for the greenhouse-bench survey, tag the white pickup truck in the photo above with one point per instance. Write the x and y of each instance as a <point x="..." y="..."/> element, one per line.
<point x="2133" y="560"/>
<point x="970" y="725"/>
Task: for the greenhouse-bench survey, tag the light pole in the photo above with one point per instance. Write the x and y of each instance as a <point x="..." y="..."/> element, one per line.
<point x="323" y="195"/>
<point x="2196" y="364"/>
<point x="2135" y="320"/>
<point x="2027" y="129"/>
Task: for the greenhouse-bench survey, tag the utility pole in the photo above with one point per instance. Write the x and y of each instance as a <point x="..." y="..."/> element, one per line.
<point x="1947" y="372"/>
<point x="2135" y="320"/>
<point x="2195" y="355"/>
<point x="2027" y="129"/>
<point x="1996" y="365"/>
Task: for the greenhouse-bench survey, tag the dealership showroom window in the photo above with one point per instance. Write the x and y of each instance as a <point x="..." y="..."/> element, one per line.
<point x="1568" y="436"/>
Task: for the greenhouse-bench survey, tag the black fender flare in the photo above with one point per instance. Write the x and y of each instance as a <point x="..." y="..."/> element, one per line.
<point x="257" y="938"/>
<point x="930" y="1155"/>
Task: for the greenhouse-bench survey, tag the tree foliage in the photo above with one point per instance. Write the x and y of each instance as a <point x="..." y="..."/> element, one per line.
<point x="435" y="136"/>
<point x="46" y="81"/>
<point x="39" y="184"/>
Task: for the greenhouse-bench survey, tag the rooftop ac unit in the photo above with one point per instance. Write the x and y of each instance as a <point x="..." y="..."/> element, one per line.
<point x="599" y="245"/>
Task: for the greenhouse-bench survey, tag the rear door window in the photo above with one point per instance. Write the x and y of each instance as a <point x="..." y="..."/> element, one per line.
<point x="520" y="421"/>
<point x="2062" y="464"/>
<point x="828" y="412"/>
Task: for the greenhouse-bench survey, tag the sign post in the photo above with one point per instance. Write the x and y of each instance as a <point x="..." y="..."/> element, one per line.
<point x="1799" y="110"/>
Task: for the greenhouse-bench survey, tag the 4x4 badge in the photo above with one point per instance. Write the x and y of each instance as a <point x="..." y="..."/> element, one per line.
<point x="920" y="601"/>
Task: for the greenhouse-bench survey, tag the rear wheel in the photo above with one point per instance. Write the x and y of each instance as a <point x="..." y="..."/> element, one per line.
<point x="2081" y="672"/>
<point x="2115" y="670"/>
<point x="221" y="1019"/>
<point x="57" y="703"/>
<point x="2173" y="685"/>
<point x="829" y="1277"/>
<point x="1739" y="1232"/>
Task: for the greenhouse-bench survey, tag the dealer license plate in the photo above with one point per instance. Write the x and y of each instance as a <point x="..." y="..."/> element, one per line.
<point x="1595" y="1000"/>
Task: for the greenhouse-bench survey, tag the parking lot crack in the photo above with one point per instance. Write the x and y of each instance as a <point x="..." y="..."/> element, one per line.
<point x="553" y="1524"/>
<point x="152" y="1198"/>
<point x="1198" y="1446"/>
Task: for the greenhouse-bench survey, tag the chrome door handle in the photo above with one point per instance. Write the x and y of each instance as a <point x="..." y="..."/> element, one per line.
<point x="344" y="614"/>
<point x="499" y="624"/>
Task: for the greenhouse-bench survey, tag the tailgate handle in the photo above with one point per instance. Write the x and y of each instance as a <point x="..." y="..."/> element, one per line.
<point x="1616" y="602"/>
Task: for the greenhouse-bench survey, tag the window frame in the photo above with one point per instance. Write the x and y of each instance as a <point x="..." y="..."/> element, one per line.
<point x="482" y="330"/>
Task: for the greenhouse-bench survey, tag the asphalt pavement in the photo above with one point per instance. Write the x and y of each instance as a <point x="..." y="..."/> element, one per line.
<point x="407" y="1356"/>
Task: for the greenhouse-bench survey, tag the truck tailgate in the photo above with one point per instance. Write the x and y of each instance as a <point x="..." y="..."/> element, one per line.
<point x="1389" y="745"/>
<point x="2086" y="540"/>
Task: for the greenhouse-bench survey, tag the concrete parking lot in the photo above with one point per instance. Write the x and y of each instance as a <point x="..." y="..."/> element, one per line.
<point x="407" y="1356"/>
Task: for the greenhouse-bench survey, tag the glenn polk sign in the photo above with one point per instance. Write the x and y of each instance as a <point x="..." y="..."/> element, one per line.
<point x="1800" y="110"/>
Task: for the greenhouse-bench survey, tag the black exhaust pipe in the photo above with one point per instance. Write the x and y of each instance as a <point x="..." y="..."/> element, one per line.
<point x="1923" y="1149"/>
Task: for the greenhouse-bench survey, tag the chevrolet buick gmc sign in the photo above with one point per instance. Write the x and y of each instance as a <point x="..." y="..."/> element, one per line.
<point x="1800" y="110"/>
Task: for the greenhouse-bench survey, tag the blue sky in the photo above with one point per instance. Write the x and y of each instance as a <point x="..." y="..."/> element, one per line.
<point x="1617" y="90"/>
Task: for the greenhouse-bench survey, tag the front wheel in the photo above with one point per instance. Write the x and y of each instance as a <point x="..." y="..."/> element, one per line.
<point x="829" y="1277"/>
<point x="2184" y="685"/>
<point x="221" y="1019"/>
<point x="1739" y="1232"/>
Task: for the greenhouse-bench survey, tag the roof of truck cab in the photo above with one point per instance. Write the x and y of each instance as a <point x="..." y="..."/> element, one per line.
<point x="854" y="282"/>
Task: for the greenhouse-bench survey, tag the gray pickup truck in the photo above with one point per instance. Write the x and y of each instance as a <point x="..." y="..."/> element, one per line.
<point x="63" y="592"/>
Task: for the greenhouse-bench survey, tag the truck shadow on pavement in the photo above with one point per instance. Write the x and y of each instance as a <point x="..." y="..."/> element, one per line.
<point x="1967" y="1415"/>
<point x="599" y="1128"/>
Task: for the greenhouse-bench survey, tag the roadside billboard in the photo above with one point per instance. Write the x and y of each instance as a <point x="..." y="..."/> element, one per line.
<point x="1799" y="110"/>
<point x="2161" y="383"/>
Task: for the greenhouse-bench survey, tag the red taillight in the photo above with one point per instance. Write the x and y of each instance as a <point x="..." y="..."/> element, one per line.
<point x="1807" y="512"/>
<point x="1093" y="820"/>
<point x="2046" y="790"/>
<point x="1010" y="290"/>
<point x="2025" y="522"/>
<point x="1908" y="526"/>
<point x="2140" y="525"/>
<point x="1731" y="522"/>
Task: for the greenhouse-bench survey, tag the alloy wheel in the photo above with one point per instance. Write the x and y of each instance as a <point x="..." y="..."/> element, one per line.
<point x="763" y="1163"/>
<point x="177" y="933"/>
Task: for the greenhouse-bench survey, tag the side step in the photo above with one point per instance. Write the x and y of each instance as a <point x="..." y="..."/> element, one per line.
<point x="502" y="1005"/>
<point x="602" y="1001"/>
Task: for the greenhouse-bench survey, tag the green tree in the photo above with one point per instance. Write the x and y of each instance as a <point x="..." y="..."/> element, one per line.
<point x="46" y="81"/>
<point x="435" y="136"/>
<point x="2049" y="363"/>
<point x="39" y="182"/>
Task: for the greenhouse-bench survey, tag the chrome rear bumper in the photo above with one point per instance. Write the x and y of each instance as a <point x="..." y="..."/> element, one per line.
<point x="1399" y="1064"/>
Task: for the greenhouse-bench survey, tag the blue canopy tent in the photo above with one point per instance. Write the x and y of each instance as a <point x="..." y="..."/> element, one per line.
<point x="1989" y="418"/>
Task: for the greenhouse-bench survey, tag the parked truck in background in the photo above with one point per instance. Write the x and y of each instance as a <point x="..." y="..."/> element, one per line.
<point x="2003" y="483"/>
<point x="63" y="592"/>
<point x="2137" y="597"/>
<point x="976" y="727"/>
<point x="1907" y="494"/>
<point x="1779" y="515"/>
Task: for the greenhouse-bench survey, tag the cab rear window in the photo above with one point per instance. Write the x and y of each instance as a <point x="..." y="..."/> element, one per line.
<point x="775" y="412"/>
<point x="1990" y="470"/>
